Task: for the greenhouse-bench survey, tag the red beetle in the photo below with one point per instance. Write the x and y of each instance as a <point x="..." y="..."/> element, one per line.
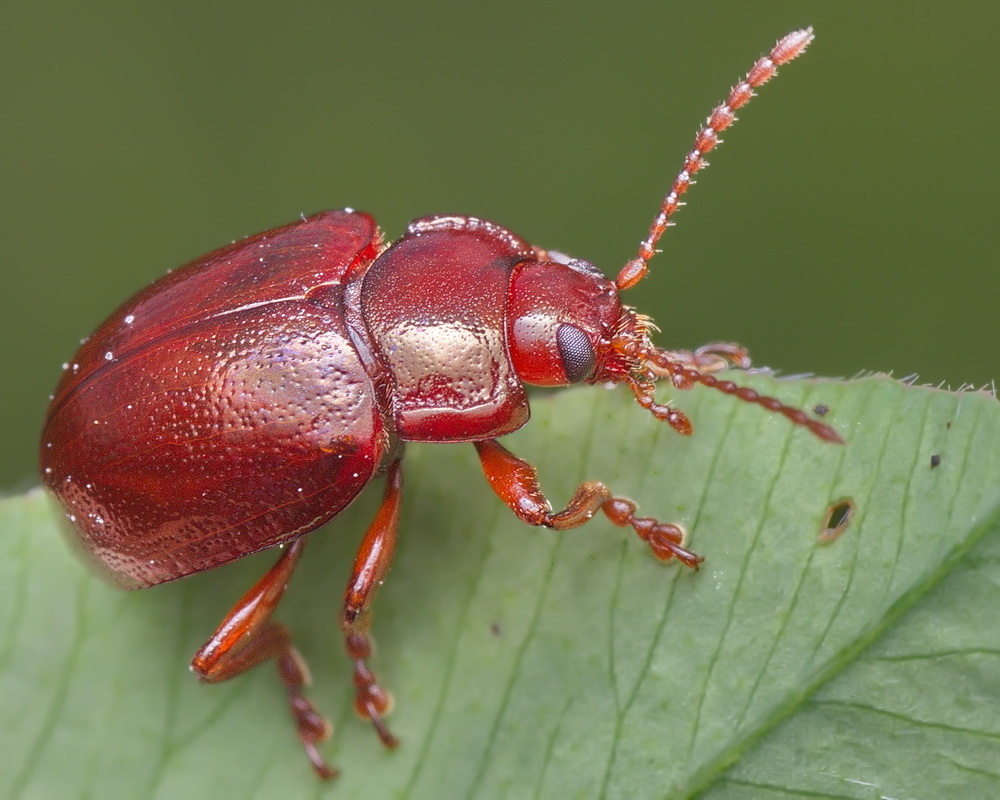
<point x="247" y="398"/>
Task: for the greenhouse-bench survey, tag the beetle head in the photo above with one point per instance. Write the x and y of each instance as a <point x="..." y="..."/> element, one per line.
<point x="567" y="325"/>
<point x="561" y="316"/>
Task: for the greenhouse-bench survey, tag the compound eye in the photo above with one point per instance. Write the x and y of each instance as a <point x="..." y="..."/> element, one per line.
<point x="576" y="353"/>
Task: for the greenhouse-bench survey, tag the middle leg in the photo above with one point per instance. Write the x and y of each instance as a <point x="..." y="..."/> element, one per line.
<point x="372" y="561"/>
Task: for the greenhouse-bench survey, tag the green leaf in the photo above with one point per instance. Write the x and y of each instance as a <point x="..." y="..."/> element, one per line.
<point x="527" y="663"/>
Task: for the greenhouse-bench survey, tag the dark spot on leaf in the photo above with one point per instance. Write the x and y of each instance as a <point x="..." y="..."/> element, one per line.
<point x="821" y="410"/>
<point x="935" y="460"/>
<point x="838" y="517"/>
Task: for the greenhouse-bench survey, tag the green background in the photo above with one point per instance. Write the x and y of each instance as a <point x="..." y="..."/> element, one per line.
<point x="844" y="226"/>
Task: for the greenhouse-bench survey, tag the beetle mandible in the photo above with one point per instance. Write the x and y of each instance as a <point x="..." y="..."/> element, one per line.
<point x="244" y="400"/>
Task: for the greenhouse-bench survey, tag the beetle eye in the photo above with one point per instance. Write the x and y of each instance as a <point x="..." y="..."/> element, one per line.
<point x="576" y="353"/>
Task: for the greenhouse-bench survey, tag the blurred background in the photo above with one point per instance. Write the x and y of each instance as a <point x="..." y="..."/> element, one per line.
<point x="844" y="225"/>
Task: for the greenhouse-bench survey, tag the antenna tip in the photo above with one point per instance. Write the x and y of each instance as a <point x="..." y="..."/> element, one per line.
<point x="825" y="432"/>
<point x="791" y="45"/>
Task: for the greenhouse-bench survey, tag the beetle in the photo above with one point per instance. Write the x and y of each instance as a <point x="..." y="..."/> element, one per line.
<point x="247" y="398"/>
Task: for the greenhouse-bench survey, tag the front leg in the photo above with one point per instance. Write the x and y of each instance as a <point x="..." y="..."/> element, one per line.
<point x="516" y="483"/>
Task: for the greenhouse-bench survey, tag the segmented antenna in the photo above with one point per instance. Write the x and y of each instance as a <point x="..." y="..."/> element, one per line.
<point x="724" y="115"/>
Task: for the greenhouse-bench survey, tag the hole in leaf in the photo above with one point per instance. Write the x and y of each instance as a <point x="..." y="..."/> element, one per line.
<point x="838" y="517"/>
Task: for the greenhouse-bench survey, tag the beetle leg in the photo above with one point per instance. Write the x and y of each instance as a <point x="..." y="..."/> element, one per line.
<point x="247" y="637"/>
<point x="516" y="483"/>
<point x="374" y="556"/>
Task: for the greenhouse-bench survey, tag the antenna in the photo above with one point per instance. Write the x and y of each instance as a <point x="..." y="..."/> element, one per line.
<point x="724" y="115"/>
